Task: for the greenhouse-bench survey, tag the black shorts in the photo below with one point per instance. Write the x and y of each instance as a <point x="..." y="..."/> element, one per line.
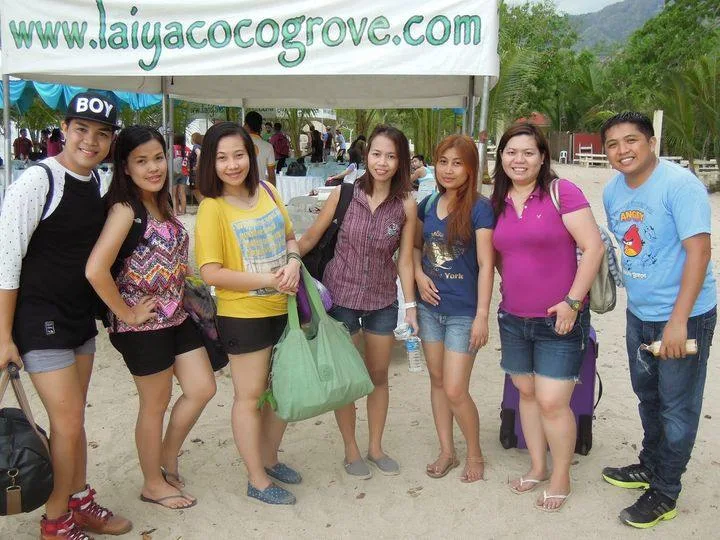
<point x="153" y="351"/>
<point x="241" y="336"/>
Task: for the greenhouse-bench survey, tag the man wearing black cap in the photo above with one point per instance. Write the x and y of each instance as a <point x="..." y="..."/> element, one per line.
<point x="51" y="217"/>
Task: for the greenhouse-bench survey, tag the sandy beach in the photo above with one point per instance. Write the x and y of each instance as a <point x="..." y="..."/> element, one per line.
<point x="412" y="505"/>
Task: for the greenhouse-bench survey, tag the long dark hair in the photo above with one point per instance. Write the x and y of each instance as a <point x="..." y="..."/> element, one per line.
<point x="400" y="184"/>
<point x="122" y="188"/>
<point x="459" y="227"/>
<point x="502" y="180"/>
<point x="208" y="181"/>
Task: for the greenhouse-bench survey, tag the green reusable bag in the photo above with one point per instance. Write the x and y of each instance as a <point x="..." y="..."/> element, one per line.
<point x="315" y="369"/>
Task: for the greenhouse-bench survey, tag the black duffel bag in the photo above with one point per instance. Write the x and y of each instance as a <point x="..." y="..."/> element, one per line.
<point x="26" y="478"/>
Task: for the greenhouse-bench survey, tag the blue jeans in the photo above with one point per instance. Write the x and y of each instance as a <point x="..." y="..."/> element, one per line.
<point x="670" y="394"/>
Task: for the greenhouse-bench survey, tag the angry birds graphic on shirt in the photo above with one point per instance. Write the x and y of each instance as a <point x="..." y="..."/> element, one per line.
<point x="632" y="242"/>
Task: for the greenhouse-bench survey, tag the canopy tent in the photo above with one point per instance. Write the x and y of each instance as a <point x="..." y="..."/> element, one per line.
<point x="57" y="96"/>
<point x="295" y="53"/>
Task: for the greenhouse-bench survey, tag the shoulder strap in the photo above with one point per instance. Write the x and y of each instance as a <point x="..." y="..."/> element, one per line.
<point x="555" y="193"/>
<point x="269" y="191"/>
<point x="346" y="194"/>
<point x="430" y="200"/>
<point x="135" y="236"/>
<point x="51" y="188"/>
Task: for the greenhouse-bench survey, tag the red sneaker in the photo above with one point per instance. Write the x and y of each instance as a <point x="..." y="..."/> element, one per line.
<point x="90" y="516"/>
<point x="63" y="528"/>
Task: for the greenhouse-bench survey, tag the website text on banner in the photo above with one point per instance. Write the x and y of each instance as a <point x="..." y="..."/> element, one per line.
<point x="294" y="36"/>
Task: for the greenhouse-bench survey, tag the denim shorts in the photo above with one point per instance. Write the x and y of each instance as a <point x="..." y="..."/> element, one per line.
<point x="452" y="330"/>
<point x="44" y="360"/>
<point x="530" y="345"/>
<point x="379" y="321"/>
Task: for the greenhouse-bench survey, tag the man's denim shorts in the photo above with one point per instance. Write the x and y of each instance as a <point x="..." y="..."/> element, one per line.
<point x="530" y="345"/>
<point x="379" y="321"/>
<point x="452" y="330"/>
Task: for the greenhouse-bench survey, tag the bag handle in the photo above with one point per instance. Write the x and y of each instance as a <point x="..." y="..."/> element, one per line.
<point x="555" y="193"/>
<point x="317" y="309"/>
<point x="12" y="375"/>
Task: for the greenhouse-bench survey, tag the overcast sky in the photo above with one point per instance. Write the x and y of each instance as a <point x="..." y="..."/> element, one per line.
<point x="575" y="6"/>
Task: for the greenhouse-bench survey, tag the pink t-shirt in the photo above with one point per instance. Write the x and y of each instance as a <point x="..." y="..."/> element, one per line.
<point x="537" y="253"/>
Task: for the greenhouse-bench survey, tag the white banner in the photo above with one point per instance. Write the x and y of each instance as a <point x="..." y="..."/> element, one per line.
<point x="249" y="37"/>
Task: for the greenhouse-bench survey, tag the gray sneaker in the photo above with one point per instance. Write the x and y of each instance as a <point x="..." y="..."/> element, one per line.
<point x="358" y="468"/>
<point x="386" y="465"/>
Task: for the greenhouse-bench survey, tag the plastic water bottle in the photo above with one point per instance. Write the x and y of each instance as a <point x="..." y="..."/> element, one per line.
<point x="412" y="346"/>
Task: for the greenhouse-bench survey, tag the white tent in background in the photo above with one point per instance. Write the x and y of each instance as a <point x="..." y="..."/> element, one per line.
<point x="295" y="53"/>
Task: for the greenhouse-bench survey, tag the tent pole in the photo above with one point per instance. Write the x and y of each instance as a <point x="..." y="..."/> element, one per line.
<point x="482" y="128"/>
<point x="168" y="142"/>
<point x="171" y="122"/>
<point x="469" y="116"/>
<point x="5" y="182"/>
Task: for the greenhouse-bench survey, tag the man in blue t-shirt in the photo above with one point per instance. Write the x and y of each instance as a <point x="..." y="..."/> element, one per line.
<point x="660" y="215"/>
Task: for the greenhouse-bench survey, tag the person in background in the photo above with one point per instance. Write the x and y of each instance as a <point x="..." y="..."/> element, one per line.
<point x="264" y="152"/>
<point x="349" y="174"/>
<point x="316" y="145"/>
<point x="23" y="145"/>
<point x="420" y="170"/>
<point x="180" y="174"/>
<point x="55" y="142"/>
<point x="47" y="322"/>
<point x="281" y="146"/>
<point x="148" y="325"/>
<point x="454" y="272"/>
<point x="362" y="279"/>
<point x="340" y="144"/>
<point x="193" y="160"/>
<point x="327" y="140"/>
<point x="44" y="136"/>
<point x="245" y="246"/>
<point x="660" y="214"/>
<point x="267" y="131"/>
<point x="543" y="316"/>
<point x="359" y="144"/>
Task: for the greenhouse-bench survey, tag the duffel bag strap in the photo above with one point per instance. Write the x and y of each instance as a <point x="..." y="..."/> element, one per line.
<point x="12" y="374"/>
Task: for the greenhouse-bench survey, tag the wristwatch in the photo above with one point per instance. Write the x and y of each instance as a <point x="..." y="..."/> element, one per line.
<point x="408" y="305"/>
<point x="574" y="304"/>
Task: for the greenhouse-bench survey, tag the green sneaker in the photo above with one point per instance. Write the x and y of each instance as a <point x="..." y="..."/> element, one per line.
<point x="650" y="509"/>
<point x="629" y="477"/>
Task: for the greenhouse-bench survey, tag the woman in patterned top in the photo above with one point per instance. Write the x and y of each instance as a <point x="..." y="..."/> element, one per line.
<point x="149" y="325"/>
<point x="362" y="279"/>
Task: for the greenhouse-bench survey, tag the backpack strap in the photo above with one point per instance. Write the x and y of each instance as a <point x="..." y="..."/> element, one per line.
<point x="555" y="193"/>
<point x="51" y="188"/>
<point x="346" y="194"/>
<point x="430" y="200"/>
<point x="135" y="236"/>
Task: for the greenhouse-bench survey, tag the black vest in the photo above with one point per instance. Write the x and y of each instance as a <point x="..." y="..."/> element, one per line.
<point x="55" y="302"/>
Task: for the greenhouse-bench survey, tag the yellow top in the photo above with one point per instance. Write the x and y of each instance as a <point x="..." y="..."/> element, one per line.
<point x="252" y="240"/>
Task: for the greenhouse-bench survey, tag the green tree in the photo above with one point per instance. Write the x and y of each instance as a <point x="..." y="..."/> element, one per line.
<point x="683" y="32"/>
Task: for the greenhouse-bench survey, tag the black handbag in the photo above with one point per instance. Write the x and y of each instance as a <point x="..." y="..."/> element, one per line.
<point x="200" y="307"/>
<point x="26" y="478"/>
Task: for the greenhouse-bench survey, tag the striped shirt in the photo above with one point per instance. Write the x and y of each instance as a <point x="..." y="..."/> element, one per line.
<point x="362" y="274"/>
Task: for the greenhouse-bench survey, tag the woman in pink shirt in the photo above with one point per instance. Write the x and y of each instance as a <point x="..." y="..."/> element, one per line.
<point x="543" y="315"/>
<point x="362" y="278"/>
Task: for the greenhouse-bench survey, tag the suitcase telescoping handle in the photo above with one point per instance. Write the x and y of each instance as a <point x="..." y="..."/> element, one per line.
<point x="12" y="375"/>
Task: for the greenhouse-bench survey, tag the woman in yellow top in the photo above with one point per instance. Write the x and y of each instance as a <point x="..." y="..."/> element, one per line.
<point x="245" y="246"/>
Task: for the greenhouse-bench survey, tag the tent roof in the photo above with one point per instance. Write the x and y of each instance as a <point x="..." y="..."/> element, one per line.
<point x="354" y="72"/>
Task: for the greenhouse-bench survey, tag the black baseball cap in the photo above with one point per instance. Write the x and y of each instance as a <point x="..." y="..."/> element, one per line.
<point x="94" y="107"/>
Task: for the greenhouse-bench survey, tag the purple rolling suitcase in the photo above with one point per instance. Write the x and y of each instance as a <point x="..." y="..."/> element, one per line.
<point x="582" y="403"/>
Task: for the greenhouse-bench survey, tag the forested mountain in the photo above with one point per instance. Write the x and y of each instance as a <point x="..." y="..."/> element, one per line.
<point x="614" y="23"/>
